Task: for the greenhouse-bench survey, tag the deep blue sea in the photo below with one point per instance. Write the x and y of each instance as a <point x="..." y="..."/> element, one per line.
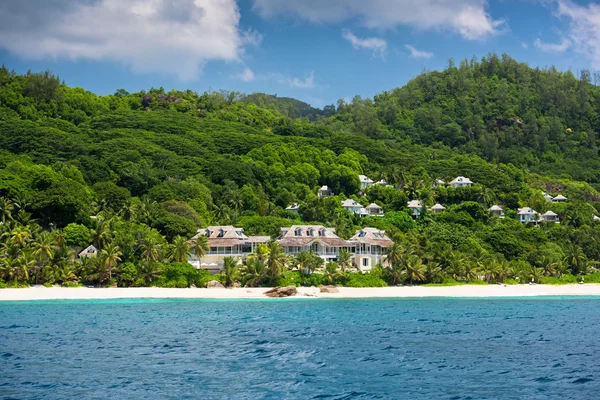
<point x="301" y="349"/>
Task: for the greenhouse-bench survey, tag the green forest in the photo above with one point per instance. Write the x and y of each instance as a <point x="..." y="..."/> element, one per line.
<point x="137" y="174"/>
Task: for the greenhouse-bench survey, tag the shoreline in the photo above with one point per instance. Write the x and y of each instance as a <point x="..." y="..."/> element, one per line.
<point x="467" y="291"/>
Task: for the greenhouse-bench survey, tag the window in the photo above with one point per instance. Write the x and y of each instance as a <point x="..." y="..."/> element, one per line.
<point x="298" y="232"/>
<point x="322" y="232"/>
<point x="311" y="232"/>
<point x="362" y="234"/>
<point x="365" y="262"/>
<point x="221" y="233"/>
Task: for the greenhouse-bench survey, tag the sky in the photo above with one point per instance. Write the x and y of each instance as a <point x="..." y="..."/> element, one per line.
<point x="317" y="51"/>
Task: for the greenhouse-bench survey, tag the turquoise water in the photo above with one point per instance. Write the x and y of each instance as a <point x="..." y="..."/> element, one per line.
<point x="310" y="349"/>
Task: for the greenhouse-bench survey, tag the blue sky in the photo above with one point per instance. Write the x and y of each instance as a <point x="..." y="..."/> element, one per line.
<point x="316" y="51"/>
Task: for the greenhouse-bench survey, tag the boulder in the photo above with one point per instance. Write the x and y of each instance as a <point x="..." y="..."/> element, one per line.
<point x="192" y="286"/>
<point x="329" y="289"/>
<point x="215" y="285"/>
<point x="282" y="291"/>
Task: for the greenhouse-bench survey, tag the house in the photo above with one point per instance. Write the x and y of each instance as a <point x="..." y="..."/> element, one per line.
<point x="547" y="196"/>
<point x="461" y="181"/>
<point x="316" y="238"/>
<point x="352" y="205"/>
<point x="438" y="182"/>
<point x="497" y="211"/>
<point x="416" y="207"/>
<point x="438" y="208"/>
<point x="324" y="191"/>
<point x="383" y="183"/>
<point x="370" y="248"/>
<point x="374" y="210"/>
<point x="293" y="208"/>
<point x="225" y="241"/>
<point x="365" y="181"/>
<point x="559" y="199"/>
<point x="596" y="218"/>
<point x="89" y="251"/>
<point x="527" y="214"/>
<point x="550" y="216"/>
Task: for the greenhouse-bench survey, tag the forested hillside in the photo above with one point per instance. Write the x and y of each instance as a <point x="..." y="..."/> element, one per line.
<point x="136" y="174"/>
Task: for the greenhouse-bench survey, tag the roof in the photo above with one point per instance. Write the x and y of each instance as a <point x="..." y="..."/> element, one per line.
<point x="495" y="208"/>
<point x="559" y="197"/>
<point x="365" y="179"/>
<point x="88" y="250"/>
<point x="461" y="179"/>
<point x="550" y="213"/>
<point x="350" y="203"/>
<point x="381" y="182"/>
<point x="373" y="205"/>
<point x="223" y="235"/>
<point x="526" y="211"/>
<point x="415" y="204"/>
<point x="293" y="206"/>
<point x="371" y="236"/>
<point x="440" y="182"/>
<point x="438" y="206"/>
<point x="289" y="238"/>
<point x="324" y="187"/>
<point x="596" y="218"/>
<point x="258" y="239"/>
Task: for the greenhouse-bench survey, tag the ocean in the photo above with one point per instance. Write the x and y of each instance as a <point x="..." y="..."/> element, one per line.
<point x="542" y="348"/>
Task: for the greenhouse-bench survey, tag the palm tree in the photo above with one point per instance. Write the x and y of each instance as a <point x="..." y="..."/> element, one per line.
<point x="180" y="249"/>
<point x="575" y="258"/>
<point x="455" y="267"/>
<point x="43" y="251"/>
<point x="199" y="247"/>
<point x="151" y="249"/>
<point x="254" y="272"/>
<point x="433" y="272"/>
<point x="6" y="209"/>
<point x="14" y="268"/>
<point x="20" y="236"/>
<point x="413" y="269"/>
<point x="111" y="256"/>
<point x="230" y="270"/>
<point x="277" y="259"/>
<point x="331" y="271"/>
<point x="129" y="210"/>
<point x="345" y="259"/>
<point x="305" y="260"/>
<point x="394" y="255"/>
<point x="149" y="271"/>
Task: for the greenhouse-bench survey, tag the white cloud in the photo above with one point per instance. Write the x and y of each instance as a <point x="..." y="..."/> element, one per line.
<point x="307" y="83"/>
<point x="552" y="47"/>
<point x="376" y="45"/>
<point x="466" y="17"/>
<point x="166" y="36"/>
<point x="584" y="31"/>
<point x="247" y="75"/>
<point x="414" y="53"/>
<point x="524" y="45"/>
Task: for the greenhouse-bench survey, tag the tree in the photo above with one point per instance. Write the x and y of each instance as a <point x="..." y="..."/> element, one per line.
<point x="345" y="259"/>
<point x="230" y="270"/>
<point x="331" y="272"/>
<point x="276" y="259"/>
<point x="254" y="272"/>
<point x="413" y="269"/>
<point x="43" y="251"/>
<point x="180" y="249"/>
<point x="199" y="247"/>
<point x="110" y="257"/>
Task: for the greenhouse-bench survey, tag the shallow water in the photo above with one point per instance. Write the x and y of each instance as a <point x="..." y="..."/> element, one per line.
<point x="320" y="349"/>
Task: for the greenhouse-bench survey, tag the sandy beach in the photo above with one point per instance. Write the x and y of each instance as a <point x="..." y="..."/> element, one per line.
<point x="58" y="293"/>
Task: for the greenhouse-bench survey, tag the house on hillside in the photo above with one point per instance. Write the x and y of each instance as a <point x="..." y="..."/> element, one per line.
<point x="352" y="205"/>
<point x="374" y="210"/>
<point x="89" y="251"/>
<point x="383" y="183"/>
<point x="550" y="216"/>
<point x="225" y="241"/>
<point x="547" y="196"/>
<point x="596" y="218"/>
<point x="316" y="238"/>
<point x="461" y="181"/>
<point x="527" y="214"/>
<point x="416" y="207"/>
<point x="438" y="208"/>
<point x="293" y="208"/>
<point x="438" y="183"/>
<point x="559" y="199"/>
<point x="365" y="182"/>
<point x="324" y="191"/>
<point x="370" y="248"/>
<point x="497" y="211"/>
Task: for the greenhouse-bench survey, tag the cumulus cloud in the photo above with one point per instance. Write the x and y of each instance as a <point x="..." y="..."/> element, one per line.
<point x="307" y="83"/>
<point x="552" y="47"/>
<point x="584" y="31"/>
<point x="466" y="17"/>
<point x="165" y="36"/>
<point x="376" y="45"/>
<point x="247" y="75"/>
<point x="414" y="53"/>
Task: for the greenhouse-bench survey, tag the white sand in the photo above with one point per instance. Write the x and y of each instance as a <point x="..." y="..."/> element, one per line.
<point x="42" y="293"/>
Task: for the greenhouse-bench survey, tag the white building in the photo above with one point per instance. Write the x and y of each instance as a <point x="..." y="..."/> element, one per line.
<point x="547" y="196"/>
<point x="352" y="205"/>
<point x="89" y="251"/>
<point x="438" y="208"/>
<point x="293" y="208"/>
<point x="370" y="248"/>
<point x="497" y="211"/>
<point x="438" y="182"/>
<point x="550" y="216"/>
<point x="527" y="214"/>
<point x="365" y="181"/>
<point x="596" y="218"/>
<point x="225" y="241"/>
<point x="461" y="181"/>
<point x="373" y="210"/>
<point x="315" y="238"/>
<point x="416" y="207"/>
<point x="324" y="191"/>
<point x="559" y="199"/>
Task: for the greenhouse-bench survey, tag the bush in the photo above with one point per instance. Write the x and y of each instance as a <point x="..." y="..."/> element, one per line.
<point x="358" y="279"/>
<point x="289" y="278"/>
<point x="552" y="280"/>
<point x="511" y="282"/>
<point x="592" y="278"/>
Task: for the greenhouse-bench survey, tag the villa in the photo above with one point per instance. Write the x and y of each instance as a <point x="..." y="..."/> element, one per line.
<point x="559" y="199"/>
<point x="550" y="216"/>
<point x="293" y="208"/>
<point x="383" y="183"/>
<point x="438" y="208"/>
<point x="352" y="205"/>
<point x="370" y="248"/>
<point x="461" y="181"/>
<point x="355" y="207"/>
<point x="365" y="181"/>
<point x="416" y="207"/>
<point x="373" y="210"/>
<point x="316" y="238"/>
<point x="324" y="191"/>
<point x="497" y="211"/>
<point x="438" y="182"/>
<point x="89" y="251"/>
<point x="547" y="196"/>
<point x="527" y="214"/>
<point x="225" y="241"/>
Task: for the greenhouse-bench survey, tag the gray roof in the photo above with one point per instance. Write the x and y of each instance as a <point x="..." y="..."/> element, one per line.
<point x="415" y="204"/>
<point x="495" y="208"/>
<point x="460" y="179"/>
